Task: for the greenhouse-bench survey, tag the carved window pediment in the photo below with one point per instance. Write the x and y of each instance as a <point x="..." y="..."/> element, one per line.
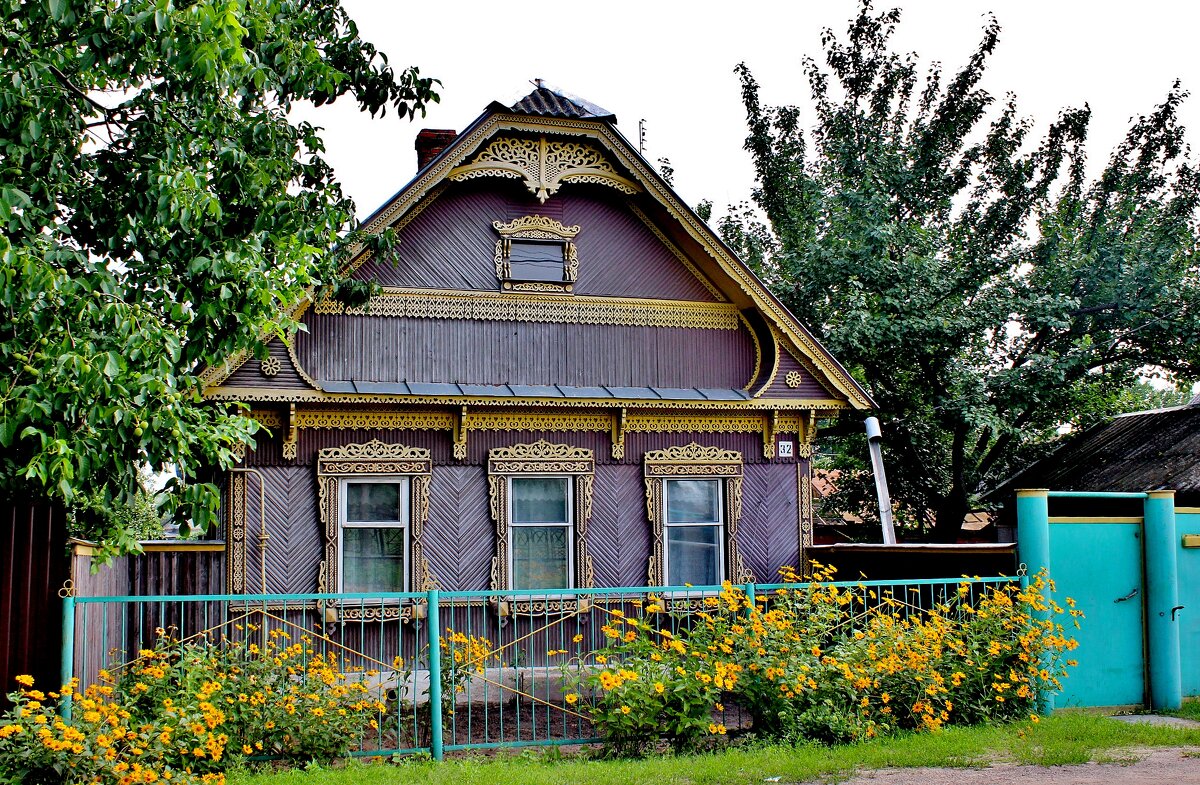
<point x="536" y="254"/>
<point x="574" y="468"/>
<point x="363" y="461"/>
<point x="694" y="462"/>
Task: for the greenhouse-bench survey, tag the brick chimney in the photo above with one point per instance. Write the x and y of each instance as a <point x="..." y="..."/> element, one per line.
<point x="430" y="142"/>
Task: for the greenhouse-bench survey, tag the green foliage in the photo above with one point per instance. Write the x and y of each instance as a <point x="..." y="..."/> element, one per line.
<point x="187" y="711"/>
<point x="158" y="213"/>
<point x="826" y="662"/>
<point x="966" y="272"/>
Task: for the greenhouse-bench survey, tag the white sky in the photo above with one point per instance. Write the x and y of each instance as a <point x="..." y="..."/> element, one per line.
<point x="672" y="64"/>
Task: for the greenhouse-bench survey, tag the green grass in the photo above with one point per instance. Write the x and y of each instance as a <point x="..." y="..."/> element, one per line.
<point x="1062" y="739"/>
<point x="1189" y="711"/>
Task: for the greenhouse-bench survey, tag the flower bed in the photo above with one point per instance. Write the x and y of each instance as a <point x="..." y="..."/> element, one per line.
<point x="823" y="661"/>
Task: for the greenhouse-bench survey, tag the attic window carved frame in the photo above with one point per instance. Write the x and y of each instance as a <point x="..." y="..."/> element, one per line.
<point x="536" y="236"/>
<point x="694" y="462"/>
<point x="364" y="461"/>
<point x="540" y="459"/>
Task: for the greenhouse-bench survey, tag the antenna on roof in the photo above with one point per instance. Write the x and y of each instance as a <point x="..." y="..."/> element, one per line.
<point x="642" y="136"/>
<point x="538" y="83"/>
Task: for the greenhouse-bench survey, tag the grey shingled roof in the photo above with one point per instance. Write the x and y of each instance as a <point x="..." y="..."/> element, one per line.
<point x="549" y="101"/>
<point x="1133" y="452"/>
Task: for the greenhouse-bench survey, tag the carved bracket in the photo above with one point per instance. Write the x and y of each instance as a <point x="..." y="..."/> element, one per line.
<point x="544" y="165"/>
<point x="291" y="439"/>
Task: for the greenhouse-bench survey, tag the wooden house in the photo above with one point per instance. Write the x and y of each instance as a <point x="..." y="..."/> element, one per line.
<point x="566" y="381"/>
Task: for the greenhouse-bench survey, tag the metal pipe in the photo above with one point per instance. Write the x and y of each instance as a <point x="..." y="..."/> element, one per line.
<point x="874" y="437"/>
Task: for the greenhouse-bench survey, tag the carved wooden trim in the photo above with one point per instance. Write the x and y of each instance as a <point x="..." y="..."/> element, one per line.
<point x="694" y="461"/>
<point x="544" y="165"/>
<point x="547" y="308"/>
<point x="235" y="537"/>
<point x="375" y="458"/>
<point x="541" y="457"/>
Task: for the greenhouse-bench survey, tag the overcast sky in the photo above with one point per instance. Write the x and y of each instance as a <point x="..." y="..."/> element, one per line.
<point x="672" y="65"/>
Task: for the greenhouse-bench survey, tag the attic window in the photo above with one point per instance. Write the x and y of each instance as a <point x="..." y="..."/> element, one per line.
<point x="536" y="254"/>
<point x="536" y="260"/>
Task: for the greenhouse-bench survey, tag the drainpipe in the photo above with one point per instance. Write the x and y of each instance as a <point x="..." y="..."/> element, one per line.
<point x="874" y="437"/>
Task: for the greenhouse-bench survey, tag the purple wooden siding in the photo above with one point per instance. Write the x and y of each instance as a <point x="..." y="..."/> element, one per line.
<point x="251" y="375"/>
<point x="391" y="349"/>
<point x="312" y="440"/>
<point x="619" y="532"/>
<point x="294" y="546"/>
<point x="768" y="533"/>
<point x="748" y="444"/>
<point x="33" y="566"/>
<point x="809" y="387"/>
<point x="620" y="257"/>
<point x="451" y="244"/>
<point x="460" y="537"/>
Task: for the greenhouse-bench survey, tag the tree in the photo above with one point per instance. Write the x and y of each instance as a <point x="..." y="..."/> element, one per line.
<point x="160" y="212"/>
<point x="974" y="280"/>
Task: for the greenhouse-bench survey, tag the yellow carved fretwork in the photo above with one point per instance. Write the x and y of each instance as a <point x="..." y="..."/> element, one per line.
<point x="544" y="165"/>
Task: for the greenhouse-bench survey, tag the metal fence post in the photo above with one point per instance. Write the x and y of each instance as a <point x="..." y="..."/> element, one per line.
<point x="750" y="597"/>
<point x="67" y="669"/>
<point x="1033" y="548"/>
<point x="435" y="676"/>
<point x="1162" y="600"/>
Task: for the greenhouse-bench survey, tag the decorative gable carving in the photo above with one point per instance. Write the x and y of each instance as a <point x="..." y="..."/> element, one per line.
<point x="544" y="165"/>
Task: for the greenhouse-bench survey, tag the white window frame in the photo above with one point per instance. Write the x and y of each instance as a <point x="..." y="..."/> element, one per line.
<point x="405" y="522"/>
<point x="569" y="525"/>
<point x="722" y="545"/>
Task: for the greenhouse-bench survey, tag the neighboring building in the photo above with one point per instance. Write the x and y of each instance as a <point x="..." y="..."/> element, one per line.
<point x="566" y="381"/>
<point x="1133" y="452"/>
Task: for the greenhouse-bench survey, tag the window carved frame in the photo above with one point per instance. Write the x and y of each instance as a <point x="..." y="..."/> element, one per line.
<point x="536" y="227"/>
<point x="372" y="459"/>
<point x="696" y="462"/>
<point x="540" y="458"/>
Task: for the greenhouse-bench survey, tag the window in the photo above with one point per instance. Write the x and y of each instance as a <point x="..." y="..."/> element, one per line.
<point x="536" y="254"/>
<point x="695" y="532"/>
<point x="540" y="532"/>
<point x="373" y="501"/>
<point x="694" y="502"/>
<point x="374" y="531"/>
<point x="541" y="501"/>
<point x="534" y="260"/>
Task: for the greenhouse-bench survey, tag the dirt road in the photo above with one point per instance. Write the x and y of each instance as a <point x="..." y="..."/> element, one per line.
<point x="1141" y="767"/>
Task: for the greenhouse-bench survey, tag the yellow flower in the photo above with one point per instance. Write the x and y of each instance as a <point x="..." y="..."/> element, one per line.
<point x="571" y="698"/>
<point x="25" y="680"/>
<point x="578" y="638"/>
<point x="625" y="710"/>
<point x="658" y="687"/>
<point x="600" y="658"/>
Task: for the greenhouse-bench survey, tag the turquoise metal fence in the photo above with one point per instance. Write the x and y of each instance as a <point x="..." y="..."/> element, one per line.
<point x="456" y="670"/>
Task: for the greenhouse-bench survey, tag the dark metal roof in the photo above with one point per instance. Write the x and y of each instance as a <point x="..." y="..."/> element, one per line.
<point x="1134" y="452"/>
<point x="531" y="391"/>
<point x="551" y="102"/>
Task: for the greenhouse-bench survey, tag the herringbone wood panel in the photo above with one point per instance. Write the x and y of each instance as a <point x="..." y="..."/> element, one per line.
<point x="460" y="536"/>
<point x="294" y="544"/>
<point x="767" y="532"/>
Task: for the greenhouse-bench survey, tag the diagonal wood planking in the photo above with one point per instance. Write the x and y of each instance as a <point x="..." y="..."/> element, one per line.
<point x="294" y="545"/>
<point x="459" y="537"/>
<point x="767" y="531"/>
